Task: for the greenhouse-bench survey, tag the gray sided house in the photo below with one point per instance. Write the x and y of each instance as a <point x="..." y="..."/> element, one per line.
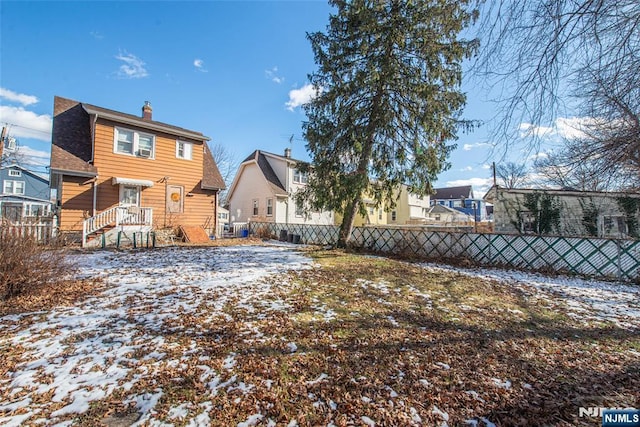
<point x="565" y="212"/>
<point x="25" y="194"/>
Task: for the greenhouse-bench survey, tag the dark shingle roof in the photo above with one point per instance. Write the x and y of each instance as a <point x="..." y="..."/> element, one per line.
<point x="465" y="191"/>
<point x="71" y="138"/>
<point x="266" y="169"/>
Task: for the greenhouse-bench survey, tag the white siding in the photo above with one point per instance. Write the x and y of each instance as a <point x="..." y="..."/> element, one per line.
<point x="250" y="186"/>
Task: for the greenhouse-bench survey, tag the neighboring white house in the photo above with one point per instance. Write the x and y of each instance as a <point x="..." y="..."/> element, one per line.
<point x="223" y="220"/>
<point x="263" y="191"/>
<point x="443" y="215"/>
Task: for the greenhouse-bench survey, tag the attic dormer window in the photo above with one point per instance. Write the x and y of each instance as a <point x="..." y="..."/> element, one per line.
<point x="134" y="143"/>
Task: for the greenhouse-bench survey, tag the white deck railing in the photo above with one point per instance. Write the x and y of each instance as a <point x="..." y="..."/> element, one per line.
<point x="119" y="215"/>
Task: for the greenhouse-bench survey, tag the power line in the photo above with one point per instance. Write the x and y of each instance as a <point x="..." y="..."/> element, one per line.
<point x="27" y="127"/>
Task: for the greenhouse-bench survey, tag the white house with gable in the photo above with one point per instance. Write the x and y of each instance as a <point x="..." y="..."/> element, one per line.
<point x="263" y="191"/>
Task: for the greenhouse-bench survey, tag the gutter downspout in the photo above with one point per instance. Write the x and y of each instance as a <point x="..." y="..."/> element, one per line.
<point x="286" y="185"/>
<point x="95" y="196"/>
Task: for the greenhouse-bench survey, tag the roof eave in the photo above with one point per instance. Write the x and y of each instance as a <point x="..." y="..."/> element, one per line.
<point x="74" y="172"/>
<point x="146" y="124"/>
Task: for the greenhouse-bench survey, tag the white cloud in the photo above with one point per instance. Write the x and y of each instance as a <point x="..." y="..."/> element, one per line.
<point x="96" y="35"/>
<point x="26" y="124"/>
<point x="273" y="75"/>
<point x="563" y="127"/>
<point x="199" y="64"/>
<point x="33" y="157"/>
<point x="304" y="95"/>
<point x="486" y="166"/>
<point x="23" y="99"/>
<point x="133" y="67"/>
<point x="469" y="147"/>
<point x="466" y="169"/>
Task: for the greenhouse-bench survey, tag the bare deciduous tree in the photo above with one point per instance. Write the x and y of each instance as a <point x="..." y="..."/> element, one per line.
<point x="512" y="175"/>
<point x="539" y="54"/>
<point x="227" y="163"/>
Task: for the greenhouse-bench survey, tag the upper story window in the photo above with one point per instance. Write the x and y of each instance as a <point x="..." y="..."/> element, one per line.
<point x="255" y="207"/>
<point x="13" y="187"/>
<point x="14" y="172"/>
<point x="300" y="177"/>
<point x="184" y="150"/>
<point x="134" y="143"/>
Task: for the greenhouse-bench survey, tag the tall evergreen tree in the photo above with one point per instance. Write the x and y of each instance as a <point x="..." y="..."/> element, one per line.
<point x="387" y="102"/>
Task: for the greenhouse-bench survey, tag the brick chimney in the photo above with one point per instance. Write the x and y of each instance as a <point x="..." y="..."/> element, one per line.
<point x="287" y="153"/>
<point x="147" y="110"/>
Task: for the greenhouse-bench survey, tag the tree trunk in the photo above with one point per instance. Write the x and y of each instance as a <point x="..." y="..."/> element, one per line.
<point x="346" y="227"/>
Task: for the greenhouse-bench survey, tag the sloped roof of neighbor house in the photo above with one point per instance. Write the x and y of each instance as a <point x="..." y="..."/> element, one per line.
<point x="465" y="191"/>
<point x="269" y="174"/>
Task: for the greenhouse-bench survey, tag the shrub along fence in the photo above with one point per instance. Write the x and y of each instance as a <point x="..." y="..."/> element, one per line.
<point x="604" y="258"/>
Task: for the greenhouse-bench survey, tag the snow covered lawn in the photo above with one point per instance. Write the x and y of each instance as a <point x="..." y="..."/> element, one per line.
<point x="268" y="335"/>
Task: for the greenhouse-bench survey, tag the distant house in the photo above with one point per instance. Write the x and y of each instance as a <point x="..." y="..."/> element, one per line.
<point x="25" y="194"/>
<point x="223" y="218"/>
<point x="442" y="215"/>
<point x="565" y="212"/>
<point x="461" y="198"/>
<point x="410" y="208"/>
<point x="114" y="169"/>
<point x="264" y="189"/>
<point x="373" y="215"/>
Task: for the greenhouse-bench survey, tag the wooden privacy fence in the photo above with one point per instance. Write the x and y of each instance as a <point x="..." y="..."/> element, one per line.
<point x="604" y="258"/>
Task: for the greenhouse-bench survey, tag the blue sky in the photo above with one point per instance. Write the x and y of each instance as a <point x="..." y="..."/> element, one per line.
<point x="233" y="70"/>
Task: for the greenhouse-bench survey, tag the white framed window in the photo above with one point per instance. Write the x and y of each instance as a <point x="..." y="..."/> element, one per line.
<point x="13" y="187"/>
<point x="255" y="207"/>
<point x="134" y="143"/>
<point x="130" y="195"/>
<point x="269" y="207"/>
<point x="527" y="222"/>
<point x="36" y="209"/>
<point x="299" y="209"/>
<point x="379" y="214"/>
<point x="300" y="177"/>
<point x="371" y="210"/>
<point x="184" y="150"/>
<point x="393" y="215"/>
<point x="15" y="173"/>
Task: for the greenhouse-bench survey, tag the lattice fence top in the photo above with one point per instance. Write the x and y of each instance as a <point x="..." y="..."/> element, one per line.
<point x="604" y="258"/>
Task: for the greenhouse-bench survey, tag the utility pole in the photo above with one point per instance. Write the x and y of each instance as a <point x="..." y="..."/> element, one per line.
<point x="2" y="138"/>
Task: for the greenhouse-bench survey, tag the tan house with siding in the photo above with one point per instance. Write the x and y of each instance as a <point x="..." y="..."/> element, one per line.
<point x="113" y="169"/>
<point x="565" y="212"/>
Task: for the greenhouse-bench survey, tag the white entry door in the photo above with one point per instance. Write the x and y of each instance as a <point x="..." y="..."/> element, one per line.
<point x="129" y="195"/>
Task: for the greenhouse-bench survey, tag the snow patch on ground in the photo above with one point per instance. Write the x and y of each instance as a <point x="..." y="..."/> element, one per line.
<point x="587" y="300"/>
<point x="82" y="354"/>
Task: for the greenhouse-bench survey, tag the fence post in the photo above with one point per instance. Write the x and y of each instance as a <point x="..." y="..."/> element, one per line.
<point x="619" y="263"/>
